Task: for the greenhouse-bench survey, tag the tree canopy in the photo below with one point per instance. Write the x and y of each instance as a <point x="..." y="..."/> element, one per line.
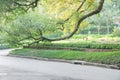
<point x="37" y="20"/>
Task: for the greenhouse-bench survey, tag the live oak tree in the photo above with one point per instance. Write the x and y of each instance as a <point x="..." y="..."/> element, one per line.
<point x="65" y="16"/>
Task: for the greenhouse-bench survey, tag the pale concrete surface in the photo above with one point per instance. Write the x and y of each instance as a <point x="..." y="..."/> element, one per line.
<point x="12" y="68"/>
<point x="5" y="52"/>
<point x="15" y="74"/>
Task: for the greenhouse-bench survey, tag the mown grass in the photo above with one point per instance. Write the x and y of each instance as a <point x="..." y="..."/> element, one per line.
<point x="97" y="57"/>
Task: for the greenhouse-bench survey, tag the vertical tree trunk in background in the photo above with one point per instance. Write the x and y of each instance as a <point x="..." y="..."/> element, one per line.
<point x="107" y="24"/>
<point x="98" y="28"/>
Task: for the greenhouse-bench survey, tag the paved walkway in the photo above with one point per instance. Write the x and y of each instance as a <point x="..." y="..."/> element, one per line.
<point x="12" y="68"/>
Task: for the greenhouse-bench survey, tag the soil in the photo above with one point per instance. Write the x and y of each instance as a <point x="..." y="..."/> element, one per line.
<point x="99" y="50"/>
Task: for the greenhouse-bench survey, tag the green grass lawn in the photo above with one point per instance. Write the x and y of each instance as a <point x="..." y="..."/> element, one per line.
<point x="97" y="57"/>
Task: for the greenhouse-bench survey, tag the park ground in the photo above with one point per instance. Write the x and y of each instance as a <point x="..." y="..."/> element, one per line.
<point x="14" y="68"/>
<point x="102" y="50"/>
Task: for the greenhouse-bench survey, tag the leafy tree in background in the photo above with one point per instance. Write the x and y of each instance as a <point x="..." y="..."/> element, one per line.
<point x="106" y="24"/>
<point x="116" y="32"/>
<point x="69" y="16"/>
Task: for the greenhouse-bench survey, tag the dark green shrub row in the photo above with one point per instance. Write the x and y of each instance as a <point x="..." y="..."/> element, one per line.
<point x="105" y="46"/>
<point x="76" y="46"/>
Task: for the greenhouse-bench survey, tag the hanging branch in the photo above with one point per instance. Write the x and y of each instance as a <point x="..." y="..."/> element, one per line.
<point x="34" y="3"/>
<point x="28" y="6"/>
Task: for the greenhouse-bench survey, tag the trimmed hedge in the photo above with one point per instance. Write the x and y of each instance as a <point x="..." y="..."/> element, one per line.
<point x="74" y="46"/>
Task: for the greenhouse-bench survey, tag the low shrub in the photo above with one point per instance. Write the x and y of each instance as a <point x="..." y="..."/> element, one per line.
<point x="116" y="32"/>
<point x="4" y="46"/>
<point x="75" y="45"/>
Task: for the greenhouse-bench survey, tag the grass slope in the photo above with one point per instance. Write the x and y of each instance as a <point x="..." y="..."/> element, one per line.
<point x="98" y="57"/>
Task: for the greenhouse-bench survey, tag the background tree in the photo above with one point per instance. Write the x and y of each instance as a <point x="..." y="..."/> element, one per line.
<point x="104" y="25"/>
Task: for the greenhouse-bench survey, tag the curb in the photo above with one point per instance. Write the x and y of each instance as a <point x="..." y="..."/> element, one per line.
<point x="70" y="61"/>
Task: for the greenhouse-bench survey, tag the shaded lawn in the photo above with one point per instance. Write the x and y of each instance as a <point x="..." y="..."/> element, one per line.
<point x="97" y="57"/>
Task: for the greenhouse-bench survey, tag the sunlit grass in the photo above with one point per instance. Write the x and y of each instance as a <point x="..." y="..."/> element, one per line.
<point x="92" y="38"/>
<point x="98" y="57"/>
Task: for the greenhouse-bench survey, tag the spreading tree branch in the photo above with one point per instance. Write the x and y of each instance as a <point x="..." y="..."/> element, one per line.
<point x="34" y="3"/>
<point x="96" y="11"/>
<point x="42" y="38"/>
<point x="80" y="6"/>
<point x="28" y="6"/>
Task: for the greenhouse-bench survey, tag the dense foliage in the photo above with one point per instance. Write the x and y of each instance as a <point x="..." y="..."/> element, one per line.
<point x="96" y="29"/>
<point x="106" y="21"/>
<point x="116" y="31"/>
<point x="32" y="21"/>
<point x="74" y="46"/>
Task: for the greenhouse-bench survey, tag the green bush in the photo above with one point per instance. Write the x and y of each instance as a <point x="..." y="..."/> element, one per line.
<point x="4" y="46"/>
<point x="79" y="36"/>
<point x="94" y="29"/>
<point x="116" y="32"/>
<point x="75" y="45"/>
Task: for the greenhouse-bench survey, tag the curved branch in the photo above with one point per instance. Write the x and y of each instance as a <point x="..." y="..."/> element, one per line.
<point x="62" y="24"/>
<point x="34" y="3"/>
<point x="96" y="11"/>
<point x="28" y="6"/>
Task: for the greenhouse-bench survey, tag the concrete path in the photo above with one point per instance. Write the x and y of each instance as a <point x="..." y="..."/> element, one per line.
<point x="12" y="68"/>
